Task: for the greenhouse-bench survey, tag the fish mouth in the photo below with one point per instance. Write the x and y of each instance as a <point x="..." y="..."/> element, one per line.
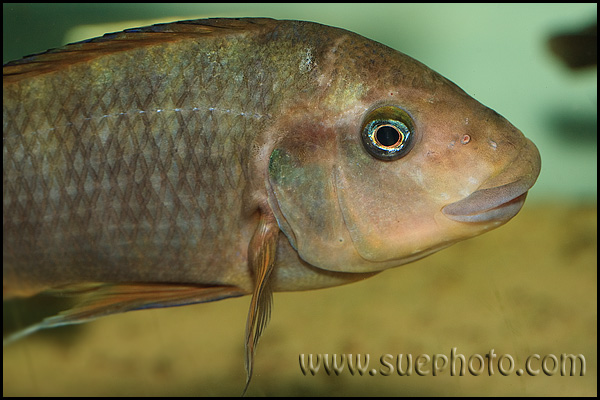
<point x="494" y="204"/>
<point x="495" y="201"/>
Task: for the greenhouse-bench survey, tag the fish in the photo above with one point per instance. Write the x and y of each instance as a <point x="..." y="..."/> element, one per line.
<point x="577" y="49"/>
<point x="207" y="159"/>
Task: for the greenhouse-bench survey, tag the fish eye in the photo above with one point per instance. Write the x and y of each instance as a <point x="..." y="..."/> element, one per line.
<point x="388" y="133"/>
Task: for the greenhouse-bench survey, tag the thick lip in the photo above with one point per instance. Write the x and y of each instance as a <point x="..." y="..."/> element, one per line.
<point x="495" y="204"/>
<point x="496" y="200"/>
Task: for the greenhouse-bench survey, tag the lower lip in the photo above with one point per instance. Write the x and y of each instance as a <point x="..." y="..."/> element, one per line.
<point x="502" y="213"/>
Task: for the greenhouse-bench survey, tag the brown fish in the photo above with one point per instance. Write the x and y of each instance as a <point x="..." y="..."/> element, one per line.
<point x="200" y="160"/>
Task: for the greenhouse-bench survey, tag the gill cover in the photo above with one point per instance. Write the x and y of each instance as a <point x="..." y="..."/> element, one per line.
<point x="337" y="194"/>
<point x="306" y="208"/>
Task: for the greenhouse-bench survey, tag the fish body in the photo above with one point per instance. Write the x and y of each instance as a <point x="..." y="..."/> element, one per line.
<point x="206" y="159"/>
<point x="139" y="157"/>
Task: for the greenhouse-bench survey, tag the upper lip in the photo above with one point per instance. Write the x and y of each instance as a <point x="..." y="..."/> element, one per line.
<point x="495" y="200"/>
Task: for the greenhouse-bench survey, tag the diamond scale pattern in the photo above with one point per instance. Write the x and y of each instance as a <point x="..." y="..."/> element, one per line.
<point x="133" y="166"/>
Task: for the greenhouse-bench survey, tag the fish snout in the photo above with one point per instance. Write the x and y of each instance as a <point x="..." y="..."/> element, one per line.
<point x="495" y="199"/>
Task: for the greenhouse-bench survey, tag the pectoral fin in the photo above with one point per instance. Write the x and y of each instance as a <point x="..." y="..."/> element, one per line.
<point x="261" y="258"/>
<point x="102" y="299"/>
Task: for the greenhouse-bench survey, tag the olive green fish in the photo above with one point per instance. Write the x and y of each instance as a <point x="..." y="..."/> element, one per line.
<point x="200" y="160"/>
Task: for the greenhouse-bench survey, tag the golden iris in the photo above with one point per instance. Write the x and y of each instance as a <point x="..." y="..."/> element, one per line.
<point x="388" y="133"/>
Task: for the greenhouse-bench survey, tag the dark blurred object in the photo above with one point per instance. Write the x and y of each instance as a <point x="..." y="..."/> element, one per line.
<point x="18" y="313"/>
<point x="577" y="49"/>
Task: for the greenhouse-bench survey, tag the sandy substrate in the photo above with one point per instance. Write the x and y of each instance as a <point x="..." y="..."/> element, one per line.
<point x="527" y="288"/>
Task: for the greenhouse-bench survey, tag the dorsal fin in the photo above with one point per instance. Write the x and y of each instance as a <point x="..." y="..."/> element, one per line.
<point x="86" y="50"/>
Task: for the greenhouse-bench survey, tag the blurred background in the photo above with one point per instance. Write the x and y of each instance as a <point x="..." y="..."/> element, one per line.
<point x="529" y="287"/>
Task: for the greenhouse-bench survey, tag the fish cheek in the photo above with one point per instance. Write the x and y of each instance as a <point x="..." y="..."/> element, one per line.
<point x="389" y="215"/>
<point x="304" y="201"/>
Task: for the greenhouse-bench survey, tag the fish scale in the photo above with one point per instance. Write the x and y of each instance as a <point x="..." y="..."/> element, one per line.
<point x="140" y="189"/>
<point x="207" y="159"/>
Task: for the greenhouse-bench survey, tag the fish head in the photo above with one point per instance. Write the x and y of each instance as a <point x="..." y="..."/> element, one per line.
<point x="393" y="163"/>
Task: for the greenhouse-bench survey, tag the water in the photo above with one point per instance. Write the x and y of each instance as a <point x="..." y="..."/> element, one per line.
<point x="527" y="288"/>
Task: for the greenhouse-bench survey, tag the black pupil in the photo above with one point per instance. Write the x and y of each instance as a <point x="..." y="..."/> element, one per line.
<point x="387" y="136"/>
